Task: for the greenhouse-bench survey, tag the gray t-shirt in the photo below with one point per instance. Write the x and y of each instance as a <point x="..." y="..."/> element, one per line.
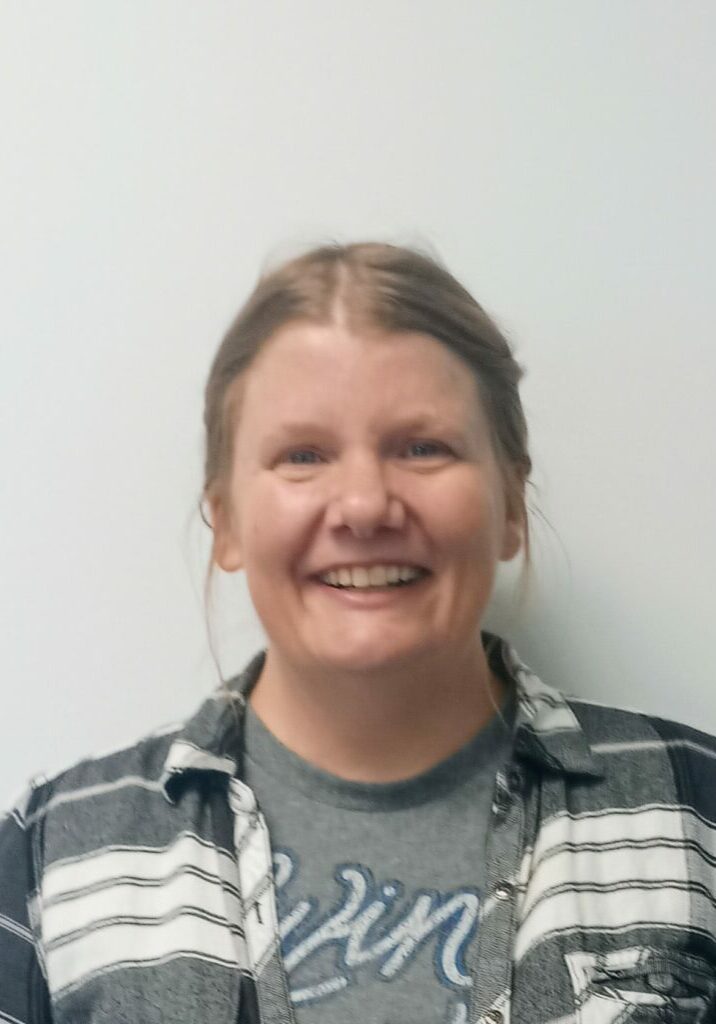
<point x="378" y="884"/>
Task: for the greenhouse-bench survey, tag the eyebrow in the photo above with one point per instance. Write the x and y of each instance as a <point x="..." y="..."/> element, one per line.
<point x="419" y="422"/>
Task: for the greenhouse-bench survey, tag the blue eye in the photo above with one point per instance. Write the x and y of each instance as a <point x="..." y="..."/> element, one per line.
<point x="302" y="457"/>
<point x="426" y="449"/>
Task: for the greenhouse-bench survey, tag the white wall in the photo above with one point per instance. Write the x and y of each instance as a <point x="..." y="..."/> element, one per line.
<point x="560" y="156"/>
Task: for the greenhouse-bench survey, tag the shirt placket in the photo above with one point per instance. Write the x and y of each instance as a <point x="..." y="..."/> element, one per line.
<point x="261" y="937"/>
<point x="493" y="963"/>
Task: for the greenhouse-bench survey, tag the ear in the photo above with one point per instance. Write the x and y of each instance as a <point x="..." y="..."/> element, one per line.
<point x="226" y="550"/>
<point x="513" y="535"/>
<point x="511" y="540"/>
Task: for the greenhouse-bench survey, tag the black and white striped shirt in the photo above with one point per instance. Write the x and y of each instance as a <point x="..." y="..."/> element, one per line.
<point x="139" y="886"/>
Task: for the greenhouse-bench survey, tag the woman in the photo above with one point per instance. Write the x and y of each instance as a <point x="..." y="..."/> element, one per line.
<point x="386" y="817"/>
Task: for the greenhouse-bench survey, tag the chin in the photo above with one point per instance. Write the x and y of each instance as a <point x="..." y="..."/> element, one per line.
<point x="370" y="657"/>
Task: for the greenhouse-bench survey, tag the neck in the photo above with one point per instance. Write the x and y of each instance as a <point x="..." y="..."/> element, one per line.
<point x="379" y="725"/>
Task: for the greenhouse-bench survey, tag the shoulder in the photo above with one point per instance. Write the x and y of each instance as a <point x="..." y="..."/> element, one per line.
<point x="132" y="769"/>
<point x="610" y="727"/>
<point x="122" y="797"/>
<point x="654" y="753"/>
<point x="106" y="801"/>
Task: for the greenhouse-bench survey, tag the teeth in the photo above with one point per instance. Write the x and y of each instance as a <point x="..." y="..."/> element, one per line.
<point x="375" y="576"/>
<point x="360" y="577"/>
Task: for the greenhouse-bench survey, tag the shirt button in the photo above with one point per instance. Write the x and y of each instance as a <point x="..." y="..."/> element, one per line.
<point x="503" y="891"/>
<point x="515" y="780"/>
<point x="493" y="1017"/>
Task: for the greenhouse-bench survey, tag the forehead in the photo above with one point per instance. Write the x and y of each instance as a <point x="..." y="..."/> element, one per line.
<point x="319" y="369"/>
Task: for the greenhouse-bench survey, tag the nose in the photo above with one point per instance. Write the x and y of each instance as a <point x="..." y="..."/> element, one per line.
<point x="362" y="501"/>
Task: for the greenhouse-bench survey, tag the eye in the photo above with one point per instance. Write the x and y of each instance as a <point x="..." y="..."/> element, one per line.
<point x="426" y="449"/>
<point x="301" y="457"/>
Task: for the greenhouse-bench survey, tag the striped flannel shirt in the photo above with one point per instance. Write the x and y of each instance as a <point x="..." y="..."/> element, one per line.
<point x="139" y="886"/>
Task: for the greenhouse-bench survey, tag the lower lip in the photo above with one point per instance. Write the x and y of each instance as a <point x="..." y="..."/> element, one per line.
<point x="378" y="598"/>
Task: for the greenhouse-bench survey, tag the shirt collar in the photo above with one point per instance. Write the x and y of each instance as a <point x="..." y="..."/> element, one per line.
<point x="546" y="730"/>
<point x="209" y="742"/>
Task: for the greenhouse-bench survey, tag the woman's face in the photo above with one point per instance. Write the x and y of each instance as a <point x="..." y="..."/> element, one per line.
<point x="352" y="455"/>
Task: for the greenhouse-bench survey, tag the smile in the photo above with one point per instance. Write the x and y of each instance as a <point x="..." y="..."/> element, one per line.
<point x="362" y="577"/>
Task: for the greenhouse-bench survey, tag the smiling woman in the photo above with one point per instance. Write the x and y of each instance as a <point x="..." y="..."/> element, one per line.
<point x="386" y="816"/>
<point x="400" y="473"/>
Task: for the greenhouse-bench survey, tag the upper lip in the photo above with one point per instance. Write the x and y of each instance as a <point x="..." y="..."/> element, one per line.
<point x="347" y="563"/>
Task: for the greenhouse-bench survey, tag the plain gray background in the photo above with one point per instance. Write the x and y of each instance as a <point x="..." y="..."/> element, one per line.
<point x="559" y="155"/>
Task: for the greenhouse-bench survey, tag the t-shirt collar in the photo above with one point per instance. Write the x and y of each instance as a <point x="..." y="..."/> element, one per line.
<point x="547" y="733"/>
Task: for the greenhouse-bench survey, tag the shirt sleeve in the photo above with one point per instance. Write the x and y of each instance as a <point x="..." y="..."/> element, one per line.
<point x="24" y="997"/>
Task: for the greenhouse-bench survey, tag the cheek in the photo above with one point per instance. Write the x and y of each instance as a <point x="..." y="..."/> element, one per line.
<point x="276" y="522"/>
<point x="468" y="516"/>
